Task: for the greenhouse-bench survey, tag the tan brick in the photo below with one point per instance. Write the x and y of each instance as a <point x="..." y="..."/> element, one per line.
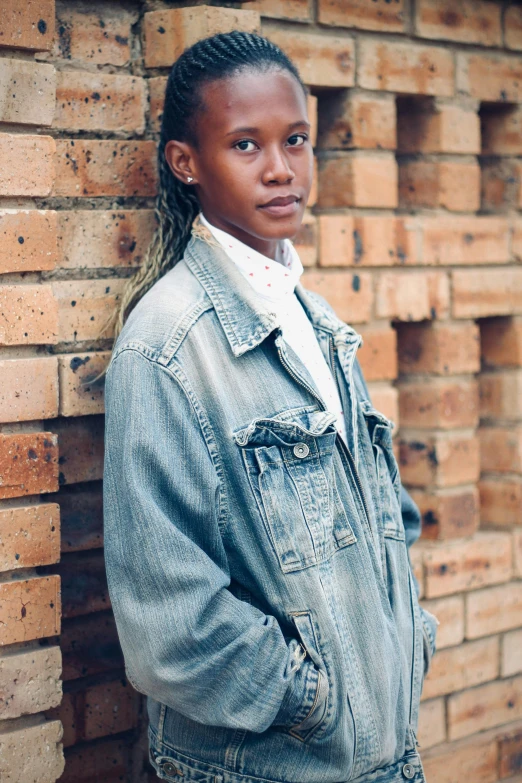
<point x="443" y="459"/>
<point x="432" y="724"/>
<point x="358" y="180"/>
<point x="322" y="61"/>
<point x="501" y="395"/>
<point x="462" y="667"/>
<point x="80" y="392"/>
<point x="30" y="536"/>
<point x="90" y="645"/>
<point x="412" y="297"/>
<point x="84" y="307"/>
<point x="495" y="609"/>
<point x="501" y="342"/>
<point x="29" y="389"/>
<point x="81" y="448"/>
<point x="378" y="354"/>
<point x="157" y="86"/>
<point x="453" y="185"/>
<point x="500" y="501"/>
<point x="349" y="294"/>
<point x="470" y="21"/>
<point x="30" y="681"/>
<point x="417" y="565"/>
<point x="170" y="31"/>
<point x="513" y="27"/>
<point x="490" y="77"/>
<point x="484" y="707"/>
<point x="26" y="165"/>
<point x="296" y="10"/>
<point x="27" y="240"/>
<point x="98" y="33"/>
<point x="510" y="751"/>
<point x="501" y="449"/>
<point x="467" y="565"/>
<point x="464" y="240"/>
<point x="405" y="67"/>
<point x="379" y="15"/>
<point x="492" y="292"/>
<point x="457" y="762"/>
<point x="501" y="128"/>
<point x="28" y="464"/>
<point x="511" y="655"/>
<point x="428" y="125"/>
<point x="81" y="512"/>
<point x="441" y="403"/>
<point x="31" y="754"/>
<point x="29" y="315"/>
<point x="306" y="240"/>
<point x="438" y="348"/>
<point x="501" y="184"/>
<point x="29" y="609"/>
<point x="28" y="25"/>
<point x="450" y="614"/>
<point x="449" y="513"/>
<point x="100" y="102"/>
<point x="385" y="400"/>
<point x="28" y="92"/>
<point x="358" y="120"/>
<point x="105" y="168"/>
<point x="372" y="240"/>
<point x="517" y="552"/>
<point x="110" y="763"/>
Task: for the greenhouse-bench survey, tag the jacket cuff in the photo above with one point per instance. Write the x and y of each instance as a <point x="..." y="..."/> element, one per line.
<point x="429" y="633"/>
<point x="305" y="700"/>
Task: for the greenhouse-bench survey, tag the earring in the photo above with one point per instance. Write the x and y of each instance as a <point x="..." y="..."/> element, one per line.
<point x="190" y="179"/>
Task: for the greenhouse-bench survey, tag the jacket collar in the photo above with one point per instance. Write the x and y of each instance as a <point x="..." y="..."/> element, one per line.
<point x="244" y="320"/>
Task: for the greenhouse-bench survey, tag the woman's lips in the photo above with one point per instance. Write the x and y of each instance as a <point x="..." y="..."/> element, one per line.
<point x="282" y="210"/>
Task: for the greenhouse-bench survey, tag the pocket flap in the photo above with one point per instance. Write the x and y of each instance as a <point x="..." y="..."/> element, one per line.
<point x="287" y="427"/>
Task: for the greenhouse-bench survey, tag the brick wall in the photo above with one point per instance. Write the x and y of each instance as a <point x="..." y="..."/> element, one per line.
<point x="414" y="234"/>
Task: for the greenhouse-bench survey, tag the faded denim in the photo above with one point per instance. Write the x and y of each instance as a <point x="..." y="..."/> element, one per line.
<point x="258" y="567"/>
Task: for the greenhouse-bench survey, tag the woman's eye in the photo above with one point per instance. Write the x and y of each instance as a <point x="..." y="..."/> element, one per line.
<point x="297" y="140"/>
<point x="243" y="145"/>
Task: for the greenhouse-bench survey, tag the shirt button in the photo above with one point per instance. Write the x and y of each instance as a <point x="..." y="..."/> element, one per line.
<point x="408" y="771"/>
<point x="301" y="450"/>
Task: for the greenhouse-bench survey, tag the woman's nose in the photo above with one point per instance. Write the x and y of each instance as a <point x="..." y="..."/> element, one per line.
<point x="278" y="168"/>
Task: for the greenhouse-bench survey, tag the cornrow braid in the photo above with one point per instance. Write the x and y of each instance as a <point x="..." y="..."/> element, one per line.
<point x="210" y="59"/>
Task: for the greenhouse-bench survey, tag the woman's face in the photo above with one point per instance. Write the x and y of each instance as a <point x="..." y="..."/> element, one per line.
<point x="253" y="164"/>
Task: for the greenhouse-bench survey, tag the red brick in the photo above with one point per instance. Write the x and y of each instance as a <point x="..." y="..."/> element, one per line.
<point x="405" y="296"/>
<point x="30" y="536"/>
<point x="90" y="645"/>
<point x="484" y="707"/>
<point x="510" y="753"/>
<point x="448" y="513"/>
<point x="501" y="395"/>
<point x="493" y="610"/>
<point x="157" y="86"/>
<point x="28" y="92"/>
<point x="29" y="389"/>
<point x="29" y="315"/>
<point x="28" y="464"/>
<point x="358" y="120"/>
<point x="29" y="609"/>
<point x="450" y="614"/>
<point x="99" y="102"/>
<point x="322" y="61"/>
<point x="501" y="449"/>
<point x="457" y="762"/>
<point x="366" y="240"/>
<point x="501" y="501"/>
<point x="31" y="752"/>
<point x="501" y="129"/>
<point x="470" y="21"/>
<point x="462" y="667"/>
<point x="513" y="27"/>
<point x="448" y="239"/>
<point x="170" y="31"/>
<point x="427" y="125"/>
<point x="490" y="77"/>
<point x="105" y="168"/>
<point x="501" y="342"/>
<point x="385" y="399"/>
<point x="28" y="240"/>
<point x="511" y="659"/>
<point x="405" y="67"/>
<point x="28" y="25"/>
<point x="501" y="184"/>
<point x="97" y="33"/>
<point x="80" y="391"/>
<point x="454" y="185"/>
<point x="492" y="292"/>
<point x="358" y="179"/>
<point x="417" y="565"/>
<point x="378" y="353"/>
<point x="84" y="307"/>
<point x="438" y="348"/>
<point x="88" y="594"/>
<point x="443" y="459"/>
<point x="454" y="566"/>
<point x="307" y="239"/>
<point x="26" y="165"/>
<point x="30" y="681"/>
<point x="81" y="448"/>
<point x="91" y="239"/>
<point x="378" y="15"/>
<point x="295" y="10"/>
<point x="432" y="724"/>
<point x="109" y="762"/>
<point x="81" y="511"/>
<point x="349" y="294"/>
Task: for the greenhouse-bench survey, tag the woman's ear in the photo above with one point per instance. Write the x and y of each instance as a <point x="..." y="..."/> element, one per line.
<point x="179" y="157"/>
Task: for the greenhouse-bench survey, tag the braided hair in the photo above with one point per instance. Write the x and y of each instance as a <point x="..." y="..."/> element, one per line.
<point x="208" y="60"/>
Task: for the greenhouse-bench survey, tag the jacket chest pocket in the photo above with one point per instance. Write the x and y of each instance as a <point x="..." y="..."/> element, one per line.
<point x="289" y="464"/>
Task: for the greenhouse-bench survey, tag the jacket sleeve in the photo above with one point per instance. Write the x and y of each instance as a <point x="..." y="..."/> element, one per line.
<point x="188" y="642"/>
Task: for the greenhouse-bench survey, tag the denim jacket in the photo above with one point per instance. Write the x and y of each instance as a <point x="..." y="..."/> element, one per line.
<point x="258" y="565"/>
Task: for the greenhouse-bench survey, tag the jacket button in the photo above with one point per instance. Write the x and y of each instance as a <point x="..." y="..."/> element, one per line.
<point x="170" y="769"/>
<point x="301" y="450"/>
<point x="408" y="771"/>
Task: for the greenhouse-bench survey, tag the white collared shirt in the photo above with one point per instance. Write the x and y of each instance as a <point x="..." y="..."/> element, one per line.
<point x="274" y="282"/>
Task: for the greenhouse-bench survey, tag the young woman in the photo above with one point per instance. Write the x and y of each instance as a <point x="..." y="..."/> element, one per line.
<point x="256" y="533"/>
